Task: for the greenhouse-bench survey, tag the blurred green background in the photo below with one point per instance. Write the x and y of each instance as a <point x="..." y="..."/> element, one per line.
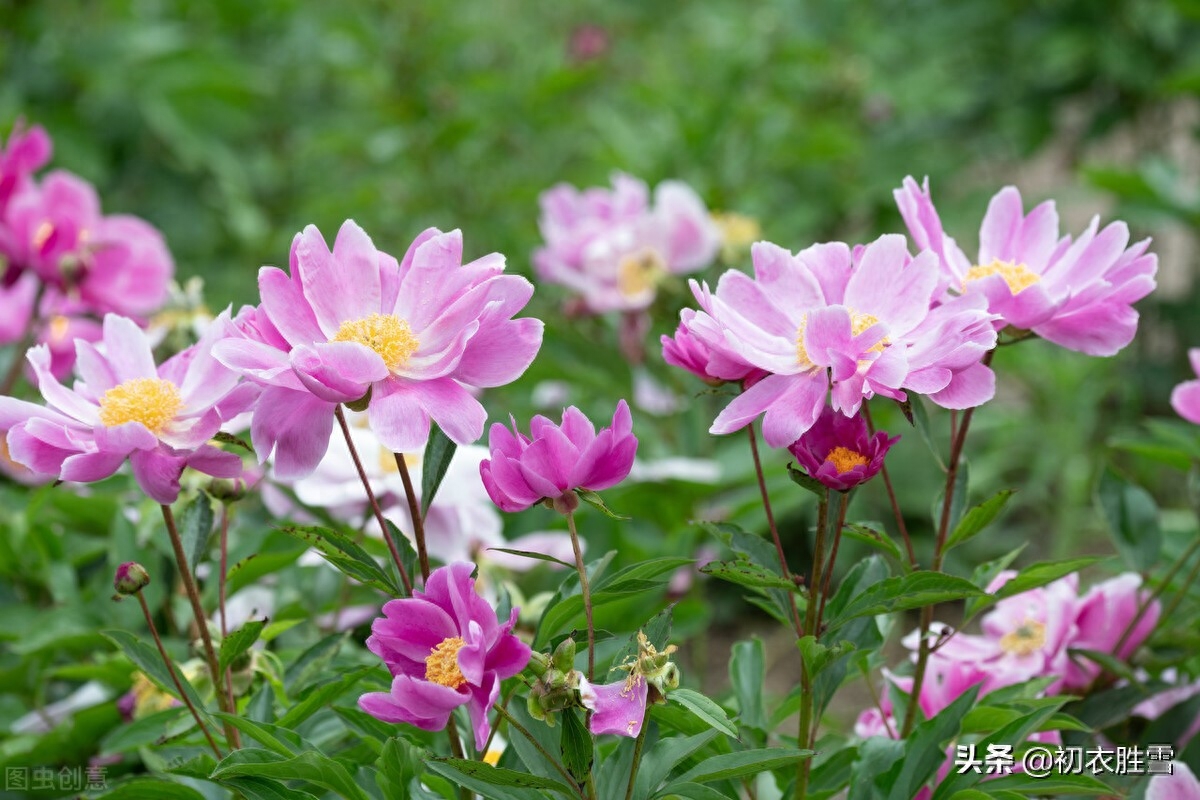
<point x="231" y="125"/>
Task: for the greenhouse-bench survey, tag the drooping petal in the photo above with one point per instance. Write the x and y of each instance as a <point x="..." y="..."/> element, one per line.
<point x="157" y="472"/>
<point x="295" y="426"/>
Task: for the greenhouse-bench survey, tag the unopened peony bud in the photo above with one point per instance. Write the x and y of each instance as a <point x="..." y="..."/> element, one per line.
<point x="131" y="578"/>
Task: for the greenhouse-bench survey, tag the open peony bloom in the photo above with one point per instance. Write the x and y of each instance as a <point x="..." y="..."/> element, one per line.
<point x="839" y="452"/>
<point x="124" y="408"/>
<point x="619" y="708"/>
<point x="27" y="151"/>
<point x="116" y="263"/>
<point x="1077" y="294"/>
<point x="352" y="325"/>
<point x="862" y="321"/>
<point x="1180" y="784"/>
<point x="445" y="648"/>
<point x="556" y="460"/>
<point x="613" y="248"/>
<point x="1185" y="398"/>
<point x="1105" y="612"/>
<point x="687" y="351"/>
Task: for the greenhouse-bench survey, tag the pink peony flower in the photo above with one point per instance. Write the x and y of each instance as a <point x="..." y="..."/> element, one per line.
<point x="352" y="324"/>
<point x="1180" y="784"/>
<point x="619" y="708"/>
<point x="1077" y="294"/>
<point x="1105" y="612"/>
<point x="557" y="459"/>
<point x="689" y="352"/>
<point x="27" y="151"/>
<point x="116" y="264"/>
<point x="445" y="648"/>
<point x="613" y="248"/>
<point x="16" y="305"/>
<point x="124" y="408"/>
<point x="862" y="321"/>
<point x="839" y="452"/>
<point x="1185" y="398"/>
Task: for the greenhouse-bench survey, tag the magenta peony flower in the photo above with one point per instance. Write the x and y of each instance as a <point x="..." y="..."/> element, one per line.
<point x="27" y="151"/>
<point x="16" y="305"/>
<point x="839" y="452"/>
<point x="1180" y="784"/>
<point x="557" y="459"/>
<point x="613" y="248"/>
<point x="352" y="324"/>
<point x="1104" y="613"/>
<point x="445" y="648"/>
<point x="618" y="708"/>
<point x="1077" y="294"/>
<point x="123" y="407"/>
<point x="116" y="264"/>
<point x="860" y="320"/>
<point x="687" y="351"/>
<point x="1185" y="398"/>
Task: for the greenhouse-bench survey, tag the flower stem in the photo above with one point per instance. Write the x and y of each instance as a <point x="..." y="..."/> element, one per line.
<point x="637" y="755"/>
<point x="551" y="760"/>
<point x="228" y="676"/>
<point x="837" y="540"/>
<point x="1183" y="590"/>
<point x="587" y="595"/>
<point x="766" y="500"/>
<point x="175" y="677"/>
<point x="812" y="623"/>
<point x="891" y="493"/>
<point x="383" y="527"/>
<point x="210" y="654"/>
<point x="414" y="511"/>
<point x="939" y="548"/>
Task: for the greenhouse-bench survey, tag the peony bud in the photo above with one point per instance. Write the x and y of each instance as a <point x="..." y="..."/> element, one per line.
<point x="131" y="578"/>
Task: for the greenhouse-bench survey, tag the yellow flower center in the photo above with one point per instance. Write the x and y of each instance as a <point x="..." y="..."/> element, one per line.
<point x="844" y="459"/>
<point x="154" y="402"/>
<point x="1018" y="276"/>
<point x="60" y="326"/>
<point x="441" y="665"/>
<point x="737" y="230"/>
<point x="42" y="233"/>
<point x="1026" y="639"/>
<point x="858" y="324"/>
<point x="388" y="335"/>
<point x="640" y="272"/>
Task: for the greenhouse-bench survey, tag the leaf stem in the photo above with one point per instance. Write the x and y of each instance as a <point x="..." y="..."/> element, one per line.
<point x="383" y="526"/>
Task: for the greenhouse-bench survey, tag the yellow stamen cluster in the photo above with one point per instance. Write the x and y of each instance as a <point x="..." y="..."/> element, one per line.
<point x="154" y="402"/>
<point x="43" y="232"/>
<point x="1028" y="638"/>
<point x="441" y="665"/>
<point x="639" y="272"/>
<point x="1018" y="276"/>
<point x="844" y="459"/>
<point x="388" y="335"/>
<point x="858" y="324"/>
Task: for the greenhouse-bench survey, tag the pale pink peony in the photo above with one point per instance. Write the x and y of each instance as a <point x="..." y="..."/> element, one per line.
<point x="1105" y="612"/>
<point x="1180" y="784"/>
<point x="863" y="321"/>
<point x="687" y="351"/>
<point x="27" y="151"/>
<point x="116" y="264"/>
<point x="555" y="460"/>
<point x="445" y="648"/>
<point x="1185" y="398"/>
<point x="1077" y="294"/>
<point x="613" y="248"/>
<point x="123" y="407"/>
<point x="353" y="324"/>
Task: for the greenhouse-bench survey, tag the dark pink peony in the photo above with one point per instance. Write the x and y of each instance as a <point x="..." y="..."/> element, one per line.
<point x="839" y="451"/>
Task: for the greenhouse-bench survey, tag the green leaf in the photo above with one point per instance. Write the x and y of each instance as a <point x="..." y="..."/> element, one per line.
<point x="530" y="554"/>
<point x="744" y="573"/>
<point x="877" y="539"/>
<point x="274" y="738"/>
<point x="1132" y="517"/>
<point x="1030" y="577"/>
<point x="549" y="738"/>
<point x="408" y="553"/>
<point x="817" y="656"/>
<point x="195" y="526"/>
<point x="595" y="501"/>
<point x="806" y="481"/>
<point x="254" y="788"/>
<point x="958" y="500"/>
<point x="924" y="751"/>
<point x="747" y="675"/>
<point x="399" y="763"/>
<point x="639" y="579"/>
<point x="1106" y="661"/>
<point x="706" y="709"/>
<point x="906" y="592"/>
<point x="745" y="762"/>
<point x="1053" y="784"/>
<point x="150" y="662"/>
<point x="921" y="420"/>
<point x="238" y="642"/>
<point x="690" y="791"/>
<point x="348" y="557"/>
<point x="141" y="788"/>
<point x="314" y="662"/>
<point x="663" y="756"/>
<point x="253" y="567"/>
<point x="483" y="778"/>
<point x="876" y="756"/>
<point x="310" y="766"/>
<point x="439" y="451"/>
<point x="578" y="753"/>
<point x="319" y="696"/>
<point x="1018" y="730"/>
<point x="979" y="518"/>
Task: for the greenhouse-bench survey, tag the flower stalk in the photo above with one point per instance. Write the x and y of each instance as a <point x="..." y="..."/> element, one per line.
<point x="586" y="590"/>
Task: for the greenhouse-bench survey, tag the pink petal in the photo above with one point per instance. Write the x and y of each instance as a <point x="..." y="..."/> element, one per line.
<point x="970" y="387"/>
<point x="890" y="286"/>
<point x="1000" y="225"/>
<point x="88" y="467"/>
<point x="398" y="418"/>
<point x="338" y="372"/>
<point x="296" y="426"/>
<point x="453" y="408"/>
<point x="502" y="354"/>
<point x="746" y="407"/>
<point x="216" y="462"/>
<point x="1185" y="399"/>
<point x="795" y="412"/>
<point x="127" y="349"/>
<point x="284" y="303"/>
<point x="157" y="472"/>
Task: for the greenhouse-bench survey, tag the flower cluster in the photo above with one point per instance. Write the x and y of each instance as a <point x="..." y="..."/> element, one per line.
<point x="66" y="264"/>
<point x="613" y="248"/>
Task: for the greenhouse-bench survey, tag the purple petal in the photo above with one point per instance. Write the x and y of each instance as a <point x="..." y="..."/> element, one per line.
<point x="88" y="467"/>
<point x="619" y="707"/>
<point x="502" y="354"/>
<point x="296" y="426"/>
<point x="970" y="387"/>
<point x="157" y="472"/>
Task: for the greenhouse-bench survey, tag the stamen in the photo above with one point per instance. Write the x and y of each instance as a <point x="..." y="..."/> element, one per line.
<point x="154" y="402"/>
<point x="640" y="272"/>
<point x="388" y="335"/>
<point x="844" y="459"/>
<point x="441" y="665"/>
<point x="1028" y="638"/>
<point x="1018" y="276"/>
